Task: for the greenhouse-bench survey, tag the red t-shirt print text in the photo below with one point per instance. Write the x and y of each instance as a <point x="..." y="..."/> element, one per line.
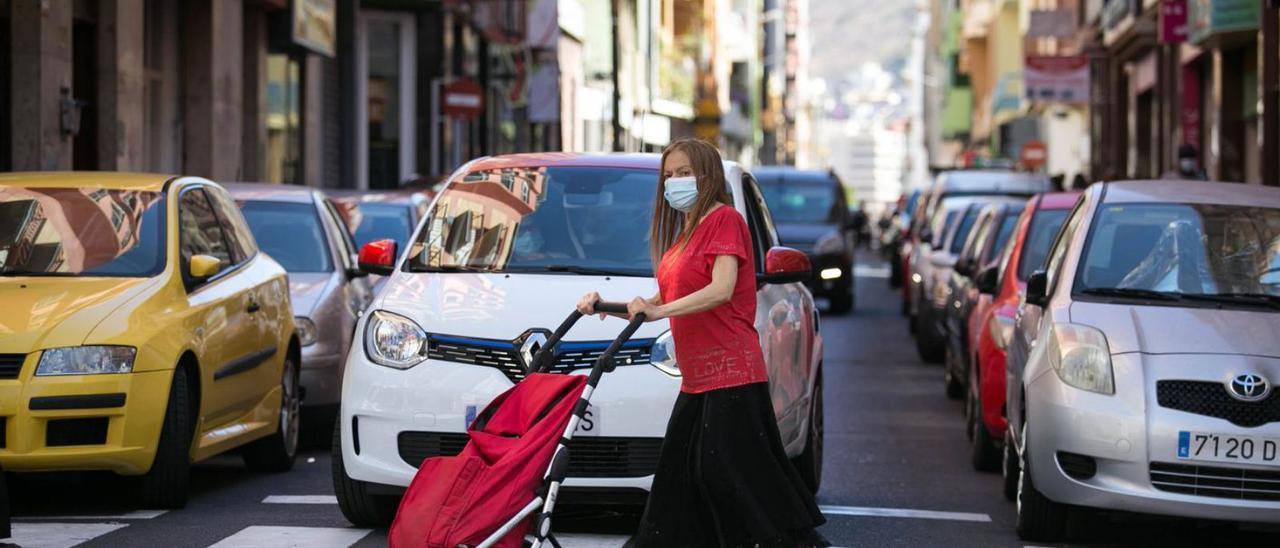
<point x="717" y="348"/>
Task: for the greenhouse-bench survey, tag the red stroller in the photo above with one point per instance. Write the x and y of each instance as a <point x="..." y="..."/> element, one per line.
<point x="514" y="463"/>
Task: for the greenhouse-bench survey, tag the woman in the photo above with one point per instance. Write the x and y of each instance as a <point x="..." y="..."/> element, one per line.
<point x="723" y="477"/>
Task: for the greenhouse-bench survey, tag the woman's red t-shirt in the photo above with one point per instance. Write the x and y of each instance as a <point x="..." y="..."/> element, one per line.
<point x="717" y="348"/>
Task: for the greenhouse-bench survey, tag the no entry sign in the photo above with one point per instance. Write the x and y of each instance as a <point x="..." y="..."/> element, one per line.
<point x="463" y="99"/>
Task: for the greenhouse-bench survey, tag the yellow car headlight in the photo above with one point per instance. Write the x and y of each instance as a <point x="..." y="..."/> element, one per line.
<point x="86" y="360"/>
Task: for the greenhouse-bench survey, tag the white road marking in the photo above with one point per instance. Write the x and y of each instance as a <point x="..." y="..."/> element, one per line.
<point x="300" y="499"/>
<point x="589" y="541"/>
<point x="259" y="536"/>
<point x="136" y="514"/>
<point x="903" y="513"/>
<point x="58" y="535"/>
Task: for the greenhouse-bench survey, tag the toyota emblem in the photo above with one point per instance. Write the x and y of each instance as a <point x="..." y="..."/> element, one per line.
<point x="1249" y="387"/>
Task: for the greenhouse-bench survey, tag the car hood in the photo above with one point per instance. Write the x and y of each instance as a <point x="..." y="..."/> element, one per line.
<point x="802" y="235"/>
<point x="48" y="312"/>
<point x="1177" y="330"/>
<point x="498" y="306"/>
<point x="306" y="289"/>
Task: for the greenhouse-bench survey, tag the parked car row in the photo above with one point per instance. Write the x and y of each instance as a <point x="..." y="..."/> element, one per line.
<point x="1115" y="348"/>
<point x="157" y="321"/>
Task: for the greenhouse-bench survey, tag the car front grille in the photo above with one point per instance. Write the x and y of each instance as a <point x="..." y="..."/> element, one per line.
<point x="1215" y="481"/>
<point x="1212" y="399"/>
<point x="589" y="457"/>
<point x="11" y="365"/>
<point x="504" y="355"/>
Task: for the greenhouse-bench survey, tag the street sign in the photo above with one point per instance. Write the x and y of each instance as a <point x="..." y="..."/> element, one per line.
<point x="1173" y="21"/>
<point x="463" y="99"/>
<point x="1034" y="154"/>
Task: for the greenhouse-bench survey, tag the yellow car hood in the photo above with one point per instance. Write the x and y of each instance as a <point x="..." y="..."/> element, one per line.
<point x="48" y="312"/>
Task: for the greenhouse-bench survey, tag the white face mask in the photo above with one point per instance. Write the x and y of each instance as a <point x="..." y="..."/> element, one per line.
<point x="681" y="193"/>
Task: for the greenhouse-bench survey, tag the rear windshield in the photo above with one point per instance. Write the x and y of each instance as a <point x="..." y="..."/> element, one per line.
<point x="81" y="232"/>
<point x="290" y="233"/>
<point x="1044" y="228"/>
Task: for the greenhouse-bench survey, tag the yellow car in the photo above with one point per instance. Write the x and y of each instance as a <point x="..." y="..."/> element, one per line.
<point x="140" y="331"/>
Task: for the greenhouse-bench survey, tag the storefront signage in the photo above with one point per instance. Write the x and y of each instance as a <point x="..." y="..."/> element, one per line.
<point x="1208" y="18"/>
<point x="1059" y="23"/>
<point x="314" y="25"/>
<point x="463" y="99"/>
<point x="1115" y="11"/>
<point x="1173" y="21"/>
<point x="1063" y="79"/>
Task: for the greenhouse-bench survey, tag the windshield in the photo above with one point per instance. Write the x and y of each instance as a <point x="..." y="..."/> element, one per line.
<point x="81" y="232"/>
<point x="1002" y="236"/>
<point x="383" y="222"/>
<point x="585" y="220"/>
<point x="962" y="232"/>
<point x="799" y="202"/>
<point x="290" y="233"/>
<point x="1044" y="228"/>
<point x="1183" y="248"/>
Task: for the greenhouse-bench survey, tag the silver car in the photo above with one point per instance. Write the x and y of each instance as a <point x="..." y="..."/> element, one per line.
<point x="1141" y="371"/>
<point x="301" y="229"/>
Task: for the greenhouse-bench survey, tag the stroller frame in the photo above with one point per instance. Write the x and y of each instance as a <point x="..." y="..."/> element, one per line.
<point x="556" y="472"/>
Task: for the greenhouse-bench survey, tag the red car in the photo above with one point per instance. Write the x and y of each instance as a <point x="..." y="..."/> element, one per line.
<point x="992" y="320"/>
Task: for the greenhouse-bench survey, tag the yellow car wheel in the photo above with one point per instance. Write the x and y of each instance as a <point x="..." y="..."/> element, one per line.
<point x="276" y="453"/>
<point x="168" y="484"/>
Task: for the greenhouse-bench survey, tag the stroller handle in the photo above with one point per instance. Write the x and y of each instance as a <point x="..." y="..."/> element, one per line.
<point x="611" y="307"/>
<point x="542" y="361"/>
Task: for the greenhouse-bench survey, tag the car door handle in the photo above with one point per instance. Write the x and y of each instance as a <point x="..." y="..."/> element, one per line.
<point x="253" y="307"/>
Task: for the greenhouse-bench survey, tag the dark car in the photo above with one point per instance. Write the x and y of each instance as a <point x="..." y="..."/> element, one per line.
<point x="381" y="215"/>
<point x="981" y="251"/>
<point x="811" y="214"/>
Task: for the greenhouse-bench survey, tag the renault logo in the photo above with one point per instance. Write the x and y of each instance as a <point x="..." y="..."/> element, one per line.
<point x="530" y="343"/>
<point x="1249" y="387"/>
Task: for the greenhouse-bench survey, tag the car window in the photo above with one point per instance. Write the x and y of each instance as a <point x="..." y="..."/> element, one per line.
<point x="755" y="221"/>
<point x="1057" y="257"/>
<point x="1007" y="224"/>
<point x="200" y="233"/>
<point x="343" y="236"/>
<point x="384" y="222"/>
<point x="963" y="229"/>
<point x="239" y="236"/>
<point x="801" y="201"/>
<point x="977" y="239"/>
<point x="1045" y="225"/>
<point x="291" y="234"/>
<point x="766" y="215"/>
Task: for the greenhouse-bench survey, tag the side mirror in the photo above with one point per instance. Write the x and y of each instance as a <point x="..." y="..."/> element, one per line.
<point x="783" y="265"/>
<point x="378" y="257"/>
<point x="355" y="272"/>
<point x="203" y="266"/>
<point x="988" y="280"/>
<point x="1038" y="289"/>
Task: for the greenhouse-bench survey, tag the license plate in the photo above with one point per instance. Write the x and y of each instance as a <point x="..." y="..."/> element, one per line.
<point x="1228" y="448"/>
<point x="590" y="423"/>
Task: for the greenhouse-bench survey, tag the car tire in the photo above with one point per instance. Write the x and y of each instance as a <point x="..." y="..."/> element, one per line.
<point x="167" y="485"/>
<point x="1010" y="468"/>
<point x="809" y="462"/>
<point x="1039" y="519"/>
<point x="841" y="303"/>
<point x="983" y="453"/>
<point x="360" y="507"/>
<point x="277" y="452"/>
<point x="954" y="388"/>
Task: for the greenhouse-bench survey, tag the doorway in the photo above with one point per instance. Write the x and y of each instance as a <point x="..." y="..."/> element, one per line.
<point x="386" y="100"/>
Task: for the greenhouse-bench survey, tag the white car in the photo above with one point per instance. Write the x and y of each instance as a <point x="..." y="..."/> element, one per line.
<point x="507" y="249"/>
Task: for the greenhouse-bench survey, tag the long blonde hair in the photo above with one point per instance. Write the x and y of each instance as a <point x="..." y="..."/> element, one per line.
<point x="671" y="227"/>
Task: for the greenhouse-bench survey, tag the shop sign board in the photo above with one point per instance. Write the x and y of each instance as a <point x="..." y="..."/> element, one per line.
<point x="314" y="25"/>
<point x="1059" y="23"/>
<point x="1173" y="21"/>
<point x="1057" y="79"/>
<point x="1208" y="18"/>
<point x="463" y="99"/>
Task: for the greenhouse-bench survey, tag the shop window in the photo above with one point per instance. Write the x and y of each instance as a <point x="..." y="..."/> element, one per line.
<point x="284" y="119"/>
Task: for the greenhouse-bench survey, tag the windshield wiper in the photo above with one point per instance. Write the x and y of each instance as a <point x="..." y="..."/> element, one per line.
<point x="1251" y="299"/>
<point x="17" y="272"/>
<point x="1132" y="293"/>
<point x="574" y="269"/>
<point x="451" y="268"/>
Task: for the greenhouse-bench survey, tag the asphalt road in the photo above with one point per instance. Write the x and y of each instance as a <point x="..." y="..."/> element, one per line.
<point x="896" y="474"/>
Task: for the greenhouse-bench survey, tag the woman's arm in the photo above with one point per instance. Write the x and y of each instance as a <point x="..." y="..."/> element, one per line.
<point x="724" y="276"/>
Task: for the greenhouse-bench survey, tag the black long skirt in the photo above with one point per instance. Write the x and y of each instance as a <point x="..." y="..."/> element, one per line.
<point x="724" y="478"/>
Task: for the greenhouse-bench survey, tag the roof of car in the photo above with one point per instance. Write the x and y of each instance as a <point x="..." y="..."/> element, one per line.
<point x="989" y="180"/>
<point x="86" y="179"/>
<point x="1196" y="192"/>
<point x="964" y="202"/>
<point x="269" y="192"/>
<point x="400" y="197"/>
<point x="568" y="159"/>
<point x="1058" y="200"/>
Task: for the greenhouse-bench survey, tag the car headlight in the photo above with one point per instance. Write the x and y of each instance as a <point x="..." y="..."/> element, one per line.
<point x="306" y="330"/>
<point x="86" y="360"/>
<point x="394" y="340"/>
<point x="1080" y="356"/>
<point x="1001" y="330"/>
<point x="663" y="355"/>
<point x="831" y="244"/>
